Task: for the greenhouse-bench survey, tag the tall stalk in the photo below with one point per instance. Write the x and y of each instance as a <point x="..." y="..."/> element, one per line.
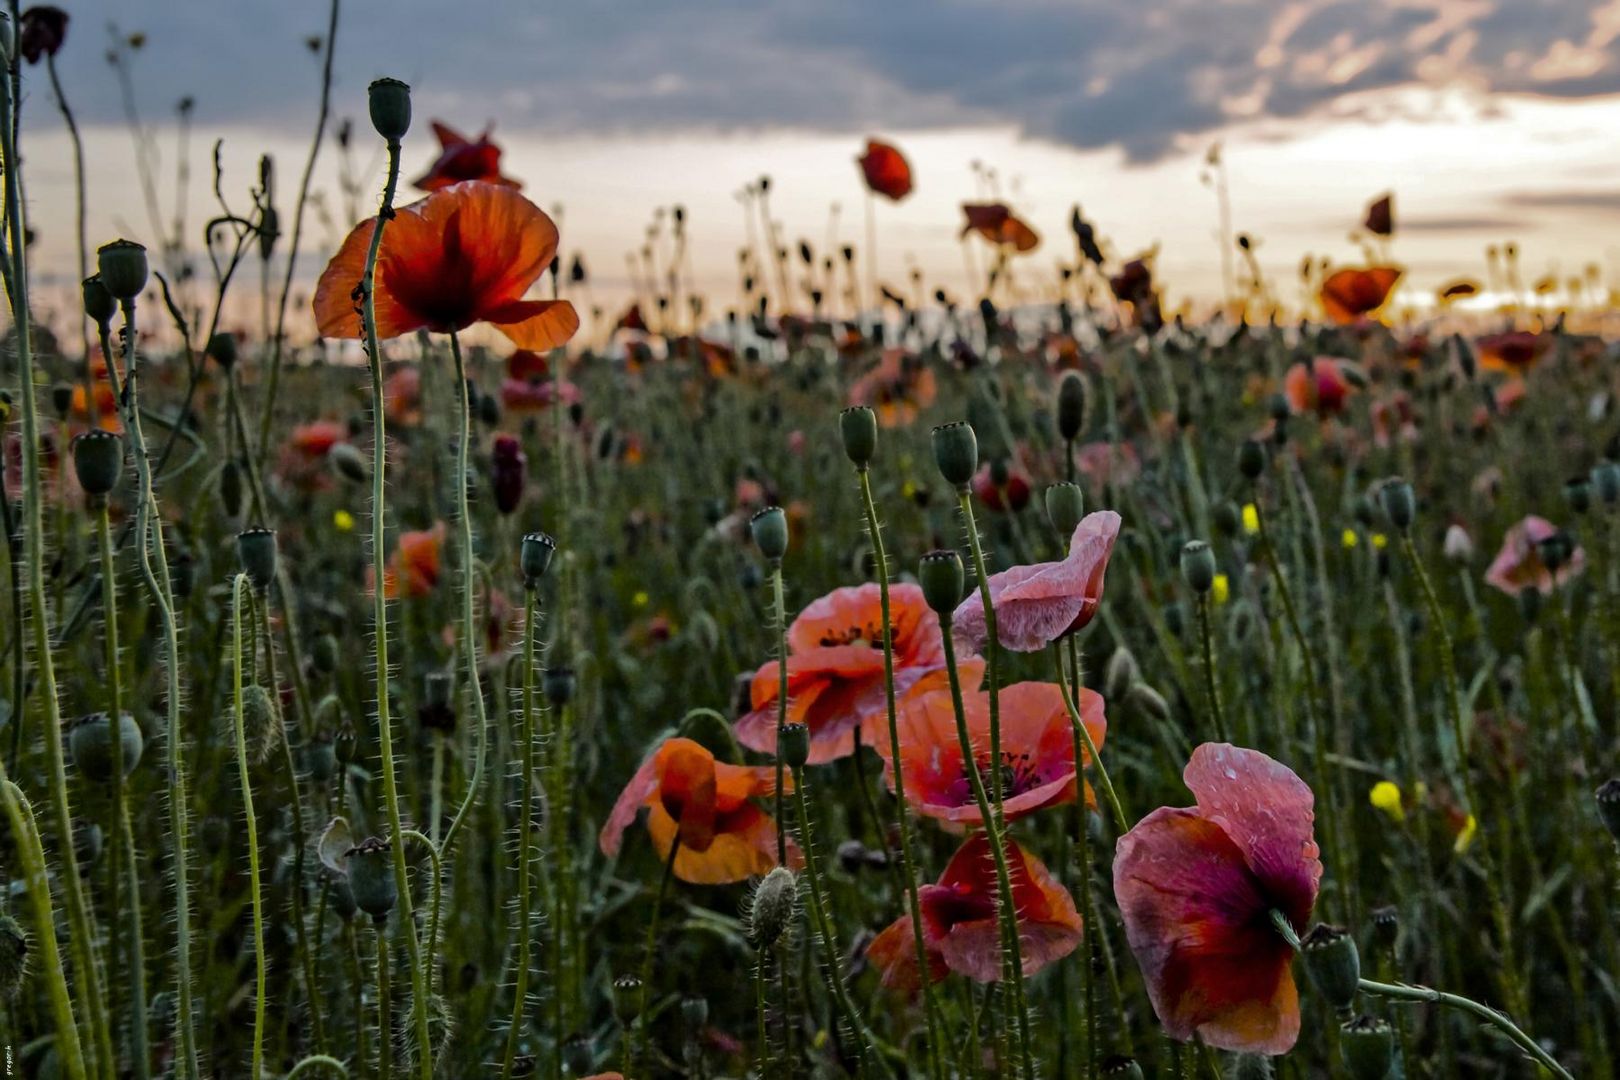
<point x="239" y="589"/>
<point x="525" y="850"/>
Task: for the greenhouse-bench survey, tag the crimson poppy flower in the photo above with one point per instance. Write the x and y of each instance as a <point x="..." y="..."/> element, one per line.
<point x="1519" y="565"/>
<point x="461" y="158"/>
<point x="1037" y="750"/>
<point x="704" y="803"/>
<point x="1320" y="387"/>
<point x="1039" y="603"/>
<point x="413" y="568"/>
<point x="1514" y="352"/>
<point x="898" y="389"/>
<point x="1197" y="888"/>
<point x="316" y="439"/>
<point x="835" y="667"/>
<point x="998" y="224"/>
<point x="1001" y="487"/>
<point x="886" y="170"/>
<point x="1352" y="294"/>
<point x="42" y="31"/>
<point x="961" y="931"/>
<point x="465" y="254"/>
<point x="527" y="364"/>
<point x="535" y="395"/>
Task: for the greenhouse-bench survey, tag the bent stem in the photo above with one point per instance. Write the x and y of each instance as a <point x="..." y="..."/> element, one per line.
<point x="1121" y="822"/>
<point x="1496" y="1019"/>
<point x="238" y="595"/>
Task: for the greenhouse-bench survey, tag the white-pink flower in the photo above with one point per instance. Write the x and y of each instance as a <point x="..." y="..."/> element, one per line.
<point x="1037" y="604"/>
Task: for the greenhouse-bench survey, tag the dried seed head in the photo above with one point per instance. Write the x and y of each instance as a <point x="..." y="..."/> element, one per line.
<point x="774" y="903"/>
<point x="99" y="304"/>
<point x="1198" y="566"/>
<point x="794" y="744"/>
<point x="535" y="557"/>
<point x="256" y="551"/>
<point x="122" y="267"/>
<point x="627" y="998"/>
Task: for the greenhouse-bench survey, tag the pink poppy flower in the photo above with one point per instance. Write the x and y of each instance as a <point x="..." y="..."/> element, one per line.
<point x="1197" y="887"/>
<point x="1322" y="389"/>
<point x="1035" y="605"/>
<point x="1518" y="565"/>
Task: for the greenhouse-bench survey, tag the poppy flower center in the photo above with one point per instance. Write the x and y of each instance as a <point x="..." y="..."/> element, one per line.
<point x="1018" y="775"/>
<point x="852" y="635"/>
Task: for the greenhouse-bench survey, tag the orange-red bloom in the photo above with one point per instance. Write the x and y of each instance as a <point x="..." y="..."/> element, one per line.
<point x="1514" y="352"/>
<point x="106" y="402"/>
<point x="898" y="389"/>
<point x="998" y="224"/>
<point x="1197" y="887"/>
<point x="961" y="932"/>
<point x="1352" y="294"/>
<point x="413" y="568"/>
<point x="705" y="804"/>
<point x="461" y="158"/>
<point x="886" y="170"/>
<point x="1320" y="388"/>
<point x="465" y="254"/>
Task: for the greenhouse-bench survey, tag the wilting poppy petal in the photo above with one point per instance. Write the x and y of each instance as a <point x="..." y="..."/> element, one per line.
<point x="1037" y="604"/>
<point x="893" y="953"/>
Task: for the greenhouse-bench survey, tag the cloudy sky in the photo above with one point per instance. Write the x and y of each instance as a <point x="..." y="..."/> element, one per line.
<point x="1490" y="119"/>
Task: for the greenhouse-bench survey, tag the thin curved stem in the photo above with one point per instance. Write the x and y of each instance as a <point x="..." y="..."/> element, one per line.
<point x="1121" y="822"/>
<point x="318" y="1061"/>
<point x="1211" y="687"/>
<point x="1496" y="1019"/>
<point x="634" y="1050"/>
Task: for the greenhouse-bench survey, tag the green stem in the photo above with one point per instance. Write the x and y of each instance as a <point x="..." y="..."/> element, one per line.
<point x="1210" y="685"/>
<point x="643" y="1021"/>
<point x="239" y="589"/>
<point x="140" y="1048"/>
<point x="780" y="610"/>
<point x="318" y="1061"/>
<point x="525" y="852"/>
<point x="1088" y="955"/>
<point x="1496" y="1019"/>
<point x="385" y="1037"/>
<point x="1081" y="732"/>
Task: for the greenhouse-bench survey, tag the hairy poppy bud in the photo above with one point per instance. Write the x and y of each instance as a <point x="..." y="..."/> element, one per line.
<point x="1119" y="1067"/>
<point x="558" y="685"/>
<point x="261" y="720"/>
<point x="320" y="757"/>
<point x="1149" y="701"/>
<point x="222" y="349"/>
<point x="771" y="912"/>
<point x="90" y="740"/>
<point x="794" y="745"/>
<point x="371" y="877"/>
<point x="1251" y="459"/>
<point x="940" y="573"/>
<point x="1065" y="506"/>
<point x="1121" y="674"/>
<point x="389" y="102"/>
<point x="770" y="530"/>
<point x="858" y="426"/>
<point x="1368" y="1047"/>
<point x="1071" y="405"/>
<point x="509" y="467"/>
<point x="535" y="557"/>
<point x="256" y="551"/>
<point x="1198" y="565"/>
<point x="1334" y="963"/>
<point x="347" y="461"/>
<point x="98" y="461"/>
<point x="13" y="957"/>
<point x="1606" y="482"/>
<point x="122" y="269"/>
<point x="99" y="304"/>
<point x="1608" y="804"/>
<point x="1398" y="501"/>
<point x="956" y="452"/>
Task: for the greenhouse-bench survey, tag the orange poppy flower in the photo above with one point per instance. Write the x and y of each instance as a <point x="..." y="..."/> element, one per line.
<point x="465" y="254"/>
<point x="413" y="568"/>
<point x="999" y="225"/>
<point x="1352" y="294"/>
<point x="461" y="158"/>
<point x="886" y="170"/>
<point x="106" y="402"/>
<point x="704" y="803"/>
<point x="1514" y="352"/>
<point x="1319" y="387"/>
<point x="898" y="389"/>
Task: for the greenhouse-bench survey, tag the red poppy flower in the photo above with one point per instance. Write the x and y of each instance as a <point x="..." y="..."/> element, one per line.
<point x="898" y="389"/>
<point x="886" y="170"/>
<point x="1197" y="887"/>
<point x="1320" y="388"/>
<point x="961" y="931"/>
<point x="1514" y="352"/>
<point x="465" y="254"/>
<point x="999" y="225"/>
<point x="835" y="667"/>
<point x="1037" y="750"/>
<point x="706" y="804"/>
<point x="314" y="440"/>
<point x="1353" y="294"/>
<point x="508" y="470"/>
<point x="413" y="568"/>
<point x="1037" y="604"/>
<point x="998" y="492"/>
<point x="535" y="395"/>
<point x="106" y="402"/>
<point x="461" y="158"/>
<point x="527" y="364"/>
<point x="1518" y="565"/>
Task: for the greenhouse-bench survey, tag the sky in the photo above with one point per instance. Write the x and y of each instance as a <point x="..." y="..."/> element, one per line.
<point x="1491" y="120"/>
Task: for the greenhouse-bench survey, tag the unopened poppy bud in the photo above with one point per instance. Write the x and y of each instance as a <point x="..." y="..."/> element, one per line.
<point x="558" y="684"/>
<point x="1458" y="547"/>
<point x="98" y="461"/>
<point x="1556" y="550"/>
<point x="1251" y="459"/>
<point x="222" y="349"/>
<point x="1606" y="482"/>
<point x="99" y="305"/>
<point x="256" y="551"/>
<point x="1071" y="405"/>
<point x="771" y="912"/>
<point x="230" y="488"/>
<point x="122" y="268"/>
<point x="1228" y="519"/>
<point x="695" y="1013"/>
<point x="1334" y="963"/>
<point x="1149" y="701"/>
<point x="348" y="462"/>
<point x="1387" y="925"/>
<point x="794" y="745"/>
<point x="940" y="574"/>
<point x="1119" y="1067"/>
<point x="627" y="999"/>
<point x="858" y="427"/>
<point x="269" y="231"/>
<point x="389" y="102"/>
<point x="1121" y="674"/>
<point x="1198" y="566"/>
<point x="1608" y="804"/>
<point x="1368" y="1047"/>
<point x="90" y="740"/>
<point x="62" y="399"/>
<point x="261" y="720"/>
<point x="1578" y="493"/>
<point x="1065" y="506"/>
<point x="1399" y="503"/>
<point x="13" y="957"/>
<point x="371" y="877"/>
<point x="535" y="557"/>
<point x="770" y="530"/>
<point x="956" y="452"/>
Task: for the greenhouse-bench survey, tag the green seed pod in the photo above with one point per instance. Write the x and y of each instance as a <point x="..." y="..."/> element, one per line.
<point x="348" y="462"/>
<point x="320" y="757"/>
<point x="858" y="426"/>
<point x="1251" y="459"/>
<point x="1065" y="506"/>
<point x="770" y="530"/>
<point x="371" y="877"/>
<point x="99" y="304"/>
<point x="122" y="269"/>
<point x="1578" y="493"/>
<point x="627" y="999"/>
<point x="62" y="399"/>
<point x="1198" y="566"/>
<point x="1119" y="1067"/>
<point x="558" y="683"/>
<point x="230" y="488"/>
<point x="324" y="655"/>
<point x="941" y="575"/>
<point x="389" y="102"/>
<point x="772" y="909"/>
<point x="1121" y="674"/>
<point x="534" y="558"/>
<point x="222" y="348"/>
<point x="256" y="551"/>
<point x="794" y="745"/>
<point x="1608" y="804"/>
<point x="1398" y="501"/>
<point x="98" y="461"/>
<point x="1334" y="963"/>
<point x="1606" y="482"/>
<point x="1228" y="518"/>
<point x="1071" y="405"/>
<point x="13" y="957"/>
<point x="1149" y="701"/>
<point x="956" y="452"/>
<point x="90" y="740"/>
<point x="1368" y="1047"/>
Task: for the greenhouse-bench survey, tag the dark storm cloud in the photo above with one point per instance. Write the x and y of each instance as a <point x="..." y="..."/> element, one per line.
<point x="1137" y="74"/>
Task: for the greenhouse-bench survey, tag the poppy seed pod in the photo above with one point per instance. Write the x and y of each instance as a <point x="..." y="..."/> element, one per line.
<point x="1198" y="565"/>
<point x="1121" y="674"/>
<point x="771" y="912"/>
<point x="1398" y="501"/>
<point x="1578" y="493"/>
<point x="1119" y="1067"/>
<point x="99" y="304"/>
<point x="90" y="740"/>
<point x="770" y="530"/>
<point x="1251" y="459"/>
<point x="1334" y="963"/>
<point x="627" y="999"/>
<point x="795" y="745"/>
<point x="1608" y="804"/>
<point x="1065" y="506"/>
<point x="534" y="557"/>
<point x="222" y="349"/>
<point x="98" y="461"/>
<point x="320" y="757"/>
<point x="940" y="573"/>
<point x="1071" y="405"/>
<point x="1556" y="550"/>
<point x="256" y="551"/>
<point x="389" y="102"/>
<point x="121" y="265"/>
<point x="1606" y="482"/>
<point x="858" y="426"/>
<point x="956" y="452"/>
<point x="1368" y="1047"/>
<point x="371" y="877"/>
<point x="13" y="957"/>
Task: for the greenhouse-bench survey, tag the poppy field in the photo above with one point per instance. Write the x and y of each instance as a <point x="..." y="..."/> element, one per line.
<point x="429" y="671"/>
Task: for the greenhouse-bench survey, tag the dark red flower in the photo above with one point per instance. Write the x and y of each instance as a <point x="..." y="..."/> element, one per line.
<point x="508" y="468"/>
<point x="461" y="158"/>
<point x="42" y="31"/>
<point x="886" y="170"/>
<point x="998" y="224"/>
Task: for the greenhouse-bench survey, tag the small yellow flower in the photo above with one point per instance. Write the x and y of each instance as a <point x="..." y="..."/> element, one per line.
<point x="1386" y="796"/>
<point x="1380" y="541"/>
<point x="908" y="489"/>
<point x="641" y="598"/>
<point x="1465" y="837"/>
<point x="1222" y="589"/>
<point x="1349" y="539"/>
<point x="343" y="520"/>
<point x="1251" y="518"/>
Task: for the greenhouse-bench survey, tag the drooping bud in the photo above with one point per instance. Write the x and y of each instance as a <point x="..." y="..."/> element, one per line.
<point x="389" y="102"/>
<point x="121" y="265"/>
<point x="222" y="349"/>
<point x="794" y="745"/>
<point x="858" y="427"/>
<point x="1198" y="566"/>
<point x="1458" y="547"/>
<point x="347" y="461"/>
<point x="535" y="557"/>
<point x="98" y="461"/>
<point x="1398" y="501"/>
<point x="371" y="877"/>
<point x="770" y="530"/>
<point x="956" y="452"/>
<point x="1071" y="405"/>
<point x="90" y="740"/>
<point x="1334" y="963"/>
<point x="941" y="575"/>
<point x="772" y="910"/>
<point x="1368" y="1047"/>
<point x="1065" y="506"/>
